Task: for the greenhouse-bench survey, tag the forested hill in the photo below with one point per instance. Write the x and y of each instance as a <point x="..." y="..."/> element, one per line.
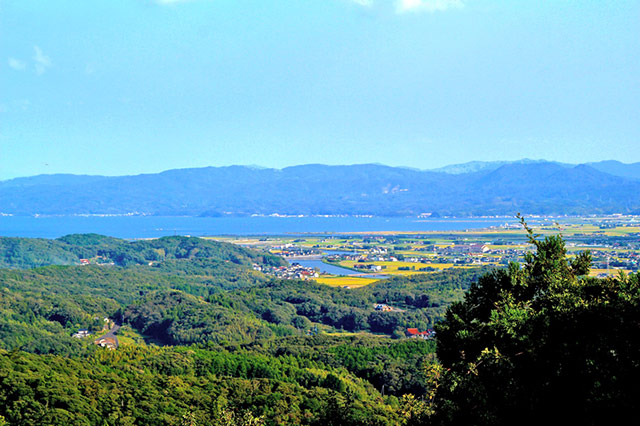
<point x="79" y="249"/>
<point x="178" y="290"/>
<point x="531" y="187"/>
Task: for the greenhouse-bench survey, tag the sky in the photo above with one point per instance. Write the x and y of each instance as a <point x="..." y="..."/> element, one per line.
<point x="139" y="86"/>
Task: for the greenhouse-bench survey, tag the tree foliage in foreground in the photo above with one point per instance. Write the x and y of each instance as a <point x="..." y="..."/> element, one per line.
<point x="541" y="342"/>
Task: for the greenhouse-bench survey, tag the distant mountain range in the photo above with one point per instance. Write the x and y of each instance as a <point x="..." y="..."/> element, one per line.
<point x="612" y="167"/>
<point x="471" y="189"/>
<point x="480" y="166"/>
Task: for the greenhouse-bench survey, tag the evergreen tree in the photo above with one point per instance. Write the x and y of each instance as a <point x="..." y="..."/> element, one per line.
<point x="540" y="342"/>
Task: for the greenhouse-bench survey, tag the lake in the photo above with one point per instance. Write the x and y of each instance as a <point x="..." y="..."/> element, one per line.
<point x="321" y="266"/>
<point x="158" y="226"/>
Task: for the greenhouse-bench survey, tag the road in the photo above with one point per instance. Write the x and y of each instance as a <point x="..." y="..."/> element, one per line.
<point x="112" y="335"/>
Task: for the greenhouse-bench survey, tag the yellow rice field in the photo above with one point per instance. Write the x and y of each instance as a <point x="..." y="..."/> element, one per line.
<point x="351" y="282"/>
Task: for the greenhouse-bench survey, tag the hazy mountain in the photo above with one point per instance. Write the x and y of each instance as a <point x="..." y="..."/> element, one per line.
<point x="611" y="167"/>
<point x="532" y="187"/>
<point x="478" y="166"/>
<point x="617" y="168"/>
<point x="57" y="179"/>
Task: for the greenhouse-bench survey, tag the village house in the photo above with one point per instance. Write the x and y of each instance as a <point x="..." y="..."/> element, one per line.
<point x="295" y="271"/>
<point x="81" y="333"/>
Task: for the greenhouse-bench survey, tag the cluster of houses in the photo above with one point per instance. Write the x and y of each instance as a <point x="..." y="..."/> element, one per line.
<point x="459" y="254"/>
<point x="98" y="260"/>
<point x="293" y="272"/>
<point x="369" y="267"/>
<point x="616" y="260"/>
<point x="291" y="250"/>
<point x="107" y="341"/>
<point x="475" y="248"/>
<point x="444" y="256"/>
<point x="414" y="333"/>
<point x="369" y="256"/>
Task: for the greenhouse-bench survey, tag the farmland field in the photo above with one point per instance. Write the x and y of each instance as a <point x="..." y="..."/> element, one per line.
<point x="613" y="241"/>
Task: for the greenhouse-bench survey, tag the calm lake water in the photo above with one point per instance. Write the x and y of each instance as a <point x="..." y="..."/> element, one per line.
<point x="322" y="267"/>
<point x="158" y="226"/>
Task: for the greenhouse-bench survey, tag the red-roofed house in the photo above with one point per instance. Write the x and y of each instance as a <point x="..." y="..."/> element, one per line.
<point x="415" y="334"/>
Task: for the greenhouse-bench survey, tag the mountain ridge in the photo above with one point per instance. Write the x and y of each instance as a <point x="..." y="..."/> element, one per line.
<point x="534" y="187"/>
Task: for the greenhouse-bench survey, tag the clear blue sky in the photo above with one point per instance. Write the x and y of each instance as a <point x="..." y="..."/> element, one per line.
<point x="135" y="86"/>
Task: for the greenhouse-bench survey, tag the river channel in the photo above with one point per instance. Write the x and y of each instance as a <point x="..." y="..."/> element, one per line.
<point x="317" y="263"/>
